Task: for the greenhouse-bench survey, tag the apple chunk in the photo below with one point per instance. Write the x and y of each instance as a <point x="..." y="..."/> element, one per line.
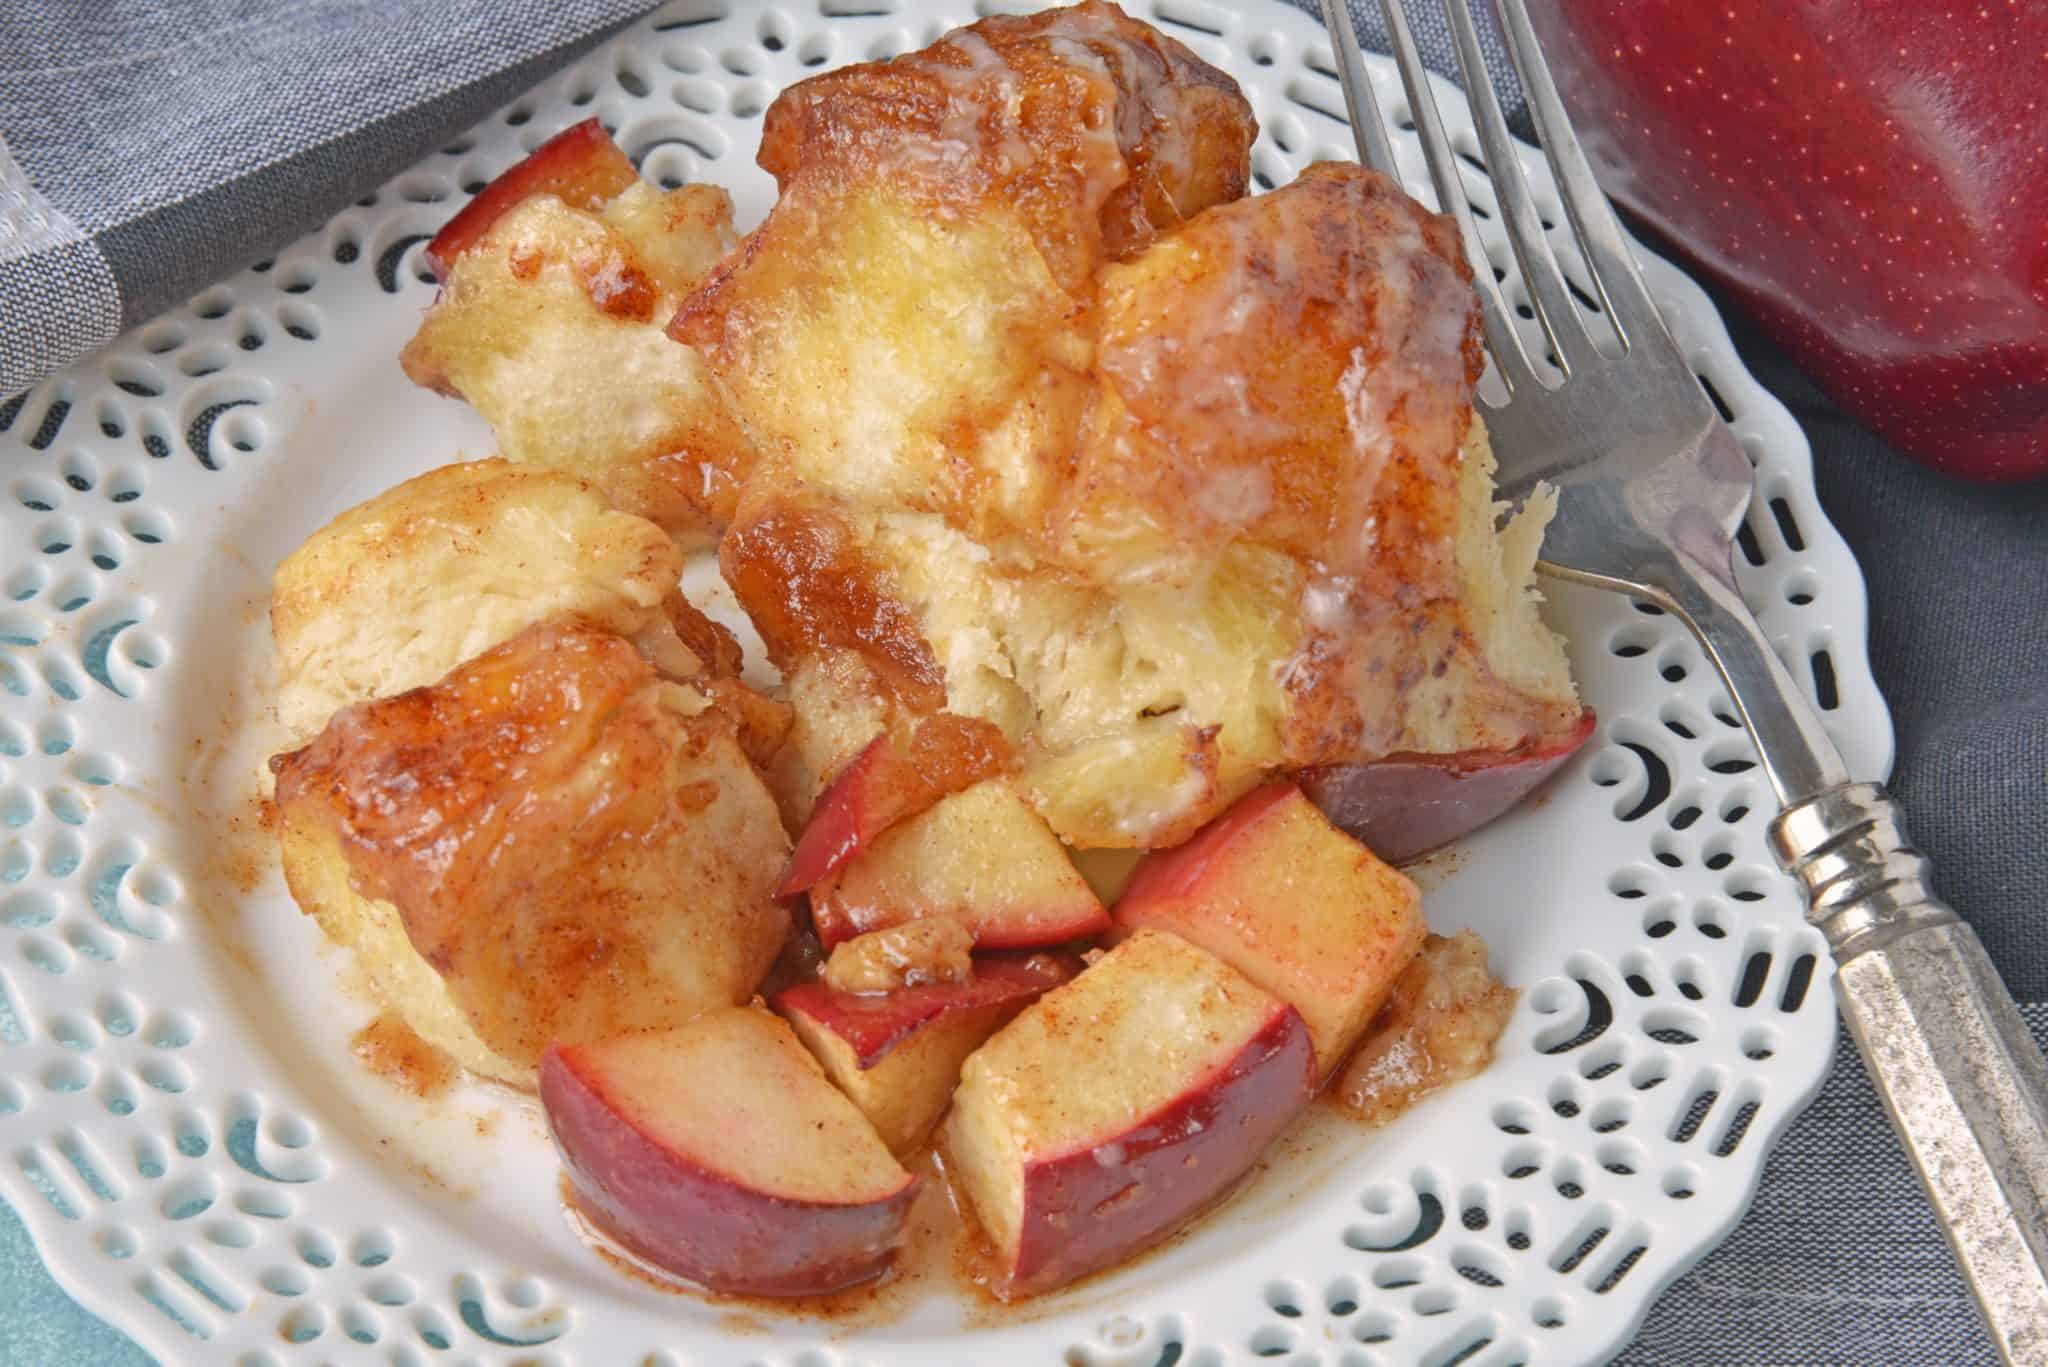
<point x="897" y="1054"/>
<point x="982" y="857"/>
<point x="1406" y="805"/>
<point x="581" y="166"/>
<point x="1113" y="1109"/>
<point x="1284" y="897"/>
<point x="885" y="783"/>
<point x="719" y="1151"/>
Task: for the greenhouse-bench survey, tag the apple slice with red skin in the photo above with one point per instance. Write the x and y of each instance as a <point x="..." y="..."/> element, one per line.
<point x="897" y="1055"/>
<point x="982" y="857"/>
<point x="1296" y="905"/>
<point x="870" y="794"/>
<point x="1113" y="1109"/>
<point x="886" y="782"/>
<point x="580" y="165"/>
<point x="720" y="1152"/>
<point x="1405" y="805"/>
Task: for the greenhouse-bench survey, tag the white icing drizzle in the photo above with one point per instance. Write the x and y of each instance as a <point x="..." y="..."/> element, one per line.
<point x="1152" y="110"/>
<point x="983" y="92"/>
<point x="969" y="97"/>
<point x="1414" y="375"/>
<point x="1372" y="445"/>
<point x="1238" y="495"/>
<point x="1404" y="388"/>
<point x="982" y="122"/>
<point x="1326" y="602"/>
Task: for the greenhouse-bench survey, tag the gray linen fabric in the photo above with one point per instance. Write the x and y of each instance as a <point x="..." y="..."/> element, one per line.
<point x="146" y="149"/>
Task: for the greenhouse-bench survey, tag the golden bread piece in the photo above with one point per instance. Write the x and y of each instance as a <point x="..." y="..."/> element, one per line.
<point x="910" y="328"/>
<point x="575" y="846"/>
<point x="1295" y="372"/>
<point x="396" y="592"/>
<point x="373" y="932"/>
<point x="550" y="325"/>
<point x="910" y="335"/>
<point x="677" y="236"/>
<point x="1095" y="130"/>
<point x="401" y="588"/>
<point x="1271" y="545"/>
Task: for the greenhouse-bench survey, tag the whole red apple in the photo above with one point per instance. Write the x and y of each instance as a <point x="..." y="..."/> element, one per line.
<point x="1871" y="180"/>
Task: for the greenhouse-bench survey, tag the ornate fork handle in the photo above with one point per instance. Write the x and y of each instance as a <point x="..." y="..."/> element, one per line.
<point x="1940" y="1035"/>
<point x="1944" y="1043"/>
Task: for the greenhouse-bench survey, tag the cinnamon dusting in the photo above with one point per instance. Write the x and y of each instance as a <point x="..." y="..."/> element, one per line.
<point x="394" y="1051"/>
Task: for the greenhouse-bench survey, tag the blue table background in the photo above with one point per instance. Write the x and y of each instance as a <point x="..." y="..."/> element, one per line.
<point x="40" y="1325"/>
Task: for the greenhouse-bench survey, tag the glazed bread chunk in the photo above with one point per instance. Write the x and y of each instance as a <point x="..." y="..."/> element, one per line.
<point x="573" y="844"/>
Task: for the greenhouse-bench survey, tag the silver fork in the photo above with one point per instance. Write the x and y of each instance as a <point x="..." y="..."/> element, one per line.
<point x="1652" y="488"/>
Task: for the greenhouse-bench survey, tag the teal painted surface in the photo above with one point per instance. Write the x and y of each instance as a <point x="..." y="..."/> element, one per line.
<point x="40" y="1326"/>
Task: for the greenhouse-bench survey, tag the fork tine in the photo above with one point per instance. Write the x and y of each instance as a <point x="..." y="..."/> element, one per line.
<point x="1613" y="266"/>
<point x="1540" y="274"/>
<point x="1509" y="357"/>
<point x="1367" y="127"/>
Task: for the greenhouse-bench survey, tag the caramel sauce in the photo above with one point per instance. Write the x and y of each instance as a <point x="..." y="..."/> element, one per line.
<point x="617" y="287"/>
<point x="1438" y="1027"/>
<point x="950" y="752"/>
<point x="710" y="641"/>
<point x="1439" y="867"/>
<point x="234" y="862"/>
<point x="412" y="780"/>
<point x="394" y="1051"/>
<point x="800" y="575"/>
<point x="528" y="816"/>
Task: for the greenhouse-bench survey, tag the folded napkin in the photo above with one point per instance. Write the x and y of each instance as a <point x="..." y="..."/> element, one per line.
<point x="147" y="149"/>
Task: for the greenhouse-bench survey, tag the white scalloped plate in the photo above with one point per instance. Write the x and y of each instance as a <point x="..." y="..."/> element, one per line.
<point x="201" y="1162"/>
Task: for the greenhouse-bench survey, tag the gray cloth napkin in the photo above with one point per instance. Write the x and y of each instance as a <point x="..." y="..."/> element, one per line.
<point x="147" y="149"/>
